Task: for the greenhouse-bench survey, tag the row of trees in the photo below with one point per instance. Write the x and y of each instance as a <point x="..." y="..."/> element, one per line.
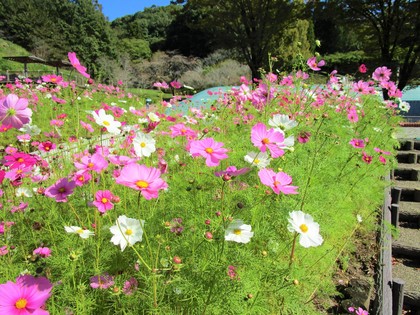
<point x="381" y="32"/>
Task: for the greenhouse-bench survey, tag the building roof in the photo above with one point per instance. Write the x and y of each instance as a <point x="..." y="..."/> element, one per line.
<point x="34" y="59"/>
<point x="411" y="94"/>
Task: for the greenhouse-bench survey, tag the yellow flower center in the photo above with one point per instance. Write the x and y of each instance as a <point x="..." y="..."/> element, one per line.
<point x="53" y="80"/>
<point x="303" y="228"/>
<point x="20" y="160"/>
<point x="183" y="130"/>
<point x="90" y="165"/>
<point x="265" y="141"/>
<point x="61" y="189"/>
<point x="21" y="303"/>
<point x="209" y="150"/>
<point x="104" y="200"/>
<point x="128" y="231"/>
<point x="256" y="161"/>
<point x="142" y="144"/>
<point x="237" y="231"/>
<point x="106" y="123"/>
<point x="79" y="231"/>
<point x="142" y="184"/>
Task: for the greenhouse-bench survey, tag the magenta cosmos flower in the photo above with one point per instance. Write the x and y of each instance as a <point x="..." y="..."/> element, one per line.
<point x="209" y="149"/>
<point x="103" y="200"/>
<point x="279" y="182"/>
<point x="265" y="139"/>
<point x="142" y="178"/>
<point x="14" y="111"/>
<point x="60" y="190"/>
<point x="76" y="64"/>
<point x="26" y="296"/>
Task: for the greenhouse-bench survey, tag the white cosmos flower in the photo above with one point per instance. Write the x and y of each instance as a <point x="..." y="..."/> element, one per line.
<point x="107" y="121"/>
<point x="288" y="143"/>
<point x="282" y="122"/>
<point x="304" y="224"/>
<point x="144" y="144"/>
<point x="153" y="117"/>
<point x="404" y="106"/>
<point x="238" y="232"/>
<point x="260" y="159"/>
<point x="30" y="130"/>
<point x="127" y="231"/>
<point x="78" y="230"/>
<point x="24" y="192"/>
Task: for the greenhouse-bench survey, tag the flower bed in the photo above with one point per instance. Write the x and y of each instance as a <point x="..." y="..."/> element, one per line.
<point x="243" y="207"/>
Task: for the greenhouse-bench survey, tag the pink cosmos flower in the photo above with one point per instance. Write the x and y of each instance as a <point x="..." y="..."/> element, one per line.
<point x="142" y="178"/>
<point x="209" y="149"/>
<point x="19" y="159"/>
<point x="231" y="171"/>
<point x="27" y="296"/>
<point x="103" y="200"/>
<point x="271" y="139"/>
<point x="352" y="114"/>
<point x="176" y="84"/>
<point x="101" y="282"/>
<point x="76" y="64"/>
<point x="42" y="251"/>
<point x="3" y="250"/>
<point x="14" y="111"/>
<point x="46" y="146"/>
<point x="52" y="78"/>
<point x="381" y="74"/>
<point x="357" y="143"/>
<point x="362" y="68"/>
<point x="60" y="190"/>
<point x="5" y="225"/>
<point x="82" y="178"/>
<point x="87" y="126"/>
<point x="366" y="158"/>
<point x="96" y="163"/>
<point x="130" y="286"/>
<point x="314" y="65"/>
<point x="304" y="136"/>
<point x="362" y="87"/>
<point x="162" y="85"/>
<point x="182" y="130"/>
<point x="279" y="182"/>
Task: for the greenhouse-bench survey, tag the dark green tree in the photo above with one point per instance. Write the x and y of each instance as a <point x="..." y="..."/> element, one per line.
<point x="250" y="26"/>
<point x="394" y="27"/>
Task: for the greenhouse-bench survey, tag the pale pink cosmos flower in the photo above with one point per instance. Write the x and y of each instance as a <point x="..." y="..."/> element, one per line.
<point x="145" y="179"/>
<point x="314" y="65"/>
<point x="265" y="139"/>
<point x="14" y="111"/>
<point x="60" y="190"/>
<point x="76" y="64"/>
<point x="279" y="182"/>
<point x="381" y="74"/>
<point x="103" y="200"/>
<point x="357" y="143"/>
<point x="27" y="296"/>
<point x="3" y="250"/>
<point x="162" y="85"/>
<point x="52" y="78"/>
<point x="209" y="149"/>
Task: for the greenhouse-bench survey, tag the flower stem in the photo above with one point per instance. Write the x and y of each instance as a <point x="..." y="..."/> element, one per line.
<point x="292" y="253"/>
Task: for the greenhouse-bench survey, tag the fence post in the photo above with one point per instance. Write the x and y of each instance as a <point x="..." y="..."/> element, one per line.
<point x="395" y="214"/>
<point x="397" y="296"/>
<point x="396" y="195"/>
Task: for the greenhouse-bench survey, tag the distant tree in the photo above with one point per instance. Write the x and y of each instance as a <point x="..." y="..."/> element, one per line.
<point x="251" y="26"/>
<point x="395" y="27"/>
<point x="137" y="49"/>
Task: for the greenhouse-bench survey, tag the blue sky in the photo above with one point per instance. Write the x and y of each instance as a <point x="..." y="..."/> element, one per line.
<point x="117" y="8"/>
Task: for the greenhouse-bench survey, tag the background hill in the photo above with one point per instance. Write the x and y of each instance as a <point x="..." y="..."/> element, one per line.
<point x="198" y="42"/>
